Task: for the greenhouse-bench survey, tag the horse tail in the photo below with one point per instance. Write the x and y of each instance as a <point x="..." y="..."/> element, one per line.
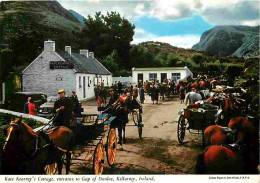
<point x="200" y="165"/>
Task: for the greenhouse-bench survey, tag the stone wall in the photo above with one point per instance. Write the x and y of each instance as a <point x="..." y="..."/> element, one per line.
<point x="38" y="77"/>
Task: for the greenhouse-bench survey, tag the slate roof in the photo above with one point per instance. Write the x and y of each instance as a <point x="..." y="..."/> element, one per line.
<point x="83" y="64"/>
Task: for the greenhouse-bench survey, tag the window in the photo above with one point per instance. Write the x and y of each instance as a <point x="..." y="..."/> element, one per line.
<point x="88" y="82"/>
<point x="176" y="76"/>
<point x="107" y="81"/>
<point x="152" y="76"/>
<point x="80" y="82"/>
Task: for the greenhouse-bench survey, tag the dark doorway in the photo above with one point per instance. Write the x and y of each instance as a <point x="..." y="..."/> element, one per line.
<point x="140" y="77"/>
<point x="84" y="87"/>
<point x="163" y="76"/>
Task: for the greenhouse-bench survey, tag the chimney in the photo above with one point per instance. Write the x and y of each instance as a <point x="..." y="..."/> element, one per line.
<point x="84" y="52"/>
<point x="91" y="54"/>
<point x="68" y="49"/>
<point x="49" y="45"/>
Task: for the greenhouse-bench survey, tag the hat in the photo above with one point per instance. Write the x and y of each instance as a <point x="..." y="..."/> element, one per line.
<point x="61" y="91"/>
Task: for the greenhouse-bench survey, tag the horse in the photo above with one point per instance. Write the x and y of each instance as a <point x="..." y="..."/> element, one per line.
<point x="195" y="85"/>
<point x="239" y="128"/>
<point x="27" y="152"/>
<point x="120" y="109"/>
<point x="244" y="137"/>
<point x="219" y="159"/>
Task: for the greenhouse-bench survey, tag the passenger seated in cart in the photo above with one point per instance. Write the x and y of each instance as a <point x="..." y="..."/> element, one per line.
<point x="192" y="97"/>
<point x="63" y="109"/>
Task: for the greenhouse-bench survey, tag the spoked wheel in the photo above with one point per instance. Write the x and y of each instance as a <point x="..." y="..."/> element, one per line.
<point x="51" y="169"/>
<point x="135" y="117"/>
<point x="140" y="125"/>
<point x="98" y="160"/>
<point x="64" y="158"/>
<point x="111" y="147"/>
<point x="181" y="129"/>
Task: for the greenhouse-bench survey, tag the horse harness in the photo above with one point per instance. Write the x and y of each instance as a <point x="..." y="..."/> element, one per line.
<point x="36" y="144"/>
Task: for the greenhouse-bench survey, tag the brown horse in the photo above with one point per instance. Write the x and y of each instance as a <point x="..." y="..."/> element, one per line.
<point x="245" y="135"/>
<point x="243" y="128"/>
<point x="203" y="85"/>
<point x="195" y="85"/>
<point x="218" y="159"/>
<point x="29" y="153"/>
<point x="214" y="135"/>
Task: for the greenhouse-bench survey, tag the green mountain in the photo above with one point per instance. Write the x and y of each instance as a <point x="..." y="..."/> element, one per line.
<point x="230" y="41"/>
<point x="25" y="25"/>
<point x="78" y="16"/>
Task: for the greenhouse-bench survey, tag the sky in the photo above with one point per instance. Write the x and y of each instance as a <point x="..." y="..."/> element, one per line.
<point x="177" y="22"/>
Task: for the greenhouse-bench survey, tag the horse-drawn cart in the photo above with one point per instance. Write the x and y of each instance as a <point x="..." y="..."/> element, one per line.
<point x="195" y="119"/>
<point x="93" y="135"/>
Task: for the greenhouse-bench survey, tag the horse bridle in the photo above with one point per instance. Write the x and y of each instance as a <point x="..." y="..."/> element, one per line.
<point x="35" y="142"/>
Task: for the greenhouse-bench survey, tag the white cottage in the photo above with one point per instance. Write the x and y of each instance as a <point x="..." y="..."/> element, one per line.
<point x="54" y="70"/>
<point x="160" y="73"/>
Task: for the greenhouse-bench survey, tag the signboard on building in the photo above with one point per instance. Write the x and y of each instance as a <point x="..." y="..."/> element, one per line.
<point x="61" y="65"/>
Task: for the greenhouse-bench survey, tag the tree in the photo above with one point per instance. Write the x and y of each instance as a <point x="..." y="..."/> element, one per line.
<point x="111" y="62"/>
<point x="172" y="60"/>
<point x="198" y="58"/>
<point x="105" y="33"/>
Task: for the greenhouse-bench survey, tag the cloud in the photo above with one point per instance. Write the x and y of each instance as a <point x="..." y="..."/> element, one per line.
<point x="216" y="12"/>
<point x="183" y="41"/>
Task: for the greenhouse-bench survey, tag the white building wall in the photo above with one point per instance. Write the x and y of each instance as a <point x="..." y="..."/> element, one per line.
<point x="89" y="86"/>
<point x="38" y="77"/>
<point x="184" y="73"/>
<point x="122" y="79"/>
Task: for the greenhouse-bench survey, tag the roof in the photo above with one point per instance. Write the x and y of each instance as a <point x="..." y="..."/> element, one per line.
<point x="83" y="64"/>
<point x="158" y="68"/>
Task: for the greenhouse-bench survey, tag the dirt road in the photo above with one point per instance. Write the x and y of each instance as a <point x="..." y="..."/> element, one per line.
<point x="158" y="152"/>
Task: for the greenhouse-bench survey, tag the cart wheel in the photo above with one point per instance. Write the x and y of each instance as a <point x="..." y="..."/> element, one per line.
<point x="181" y="129"/>
<point x="135" y="117"/>
<point x="140" y="130"/>
<point x="140" y="126"/>
<point x="111" y="147"/>
<point x="64" y="158"/>
<point x="98" y="160"/>
<point x="51" y="169"/>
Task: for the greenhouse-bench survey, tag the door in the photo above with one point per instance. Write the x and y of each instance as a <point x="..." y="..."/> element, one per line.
<point x="163" y="76"/>
<point x="84" y="87"/>
<point x="140" y="77"/>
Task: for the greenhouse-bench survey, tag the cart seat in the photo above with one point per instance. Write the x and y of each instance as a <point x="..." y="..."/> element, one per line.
<point x="108" y="121"/>
<point x="102" y="116"/>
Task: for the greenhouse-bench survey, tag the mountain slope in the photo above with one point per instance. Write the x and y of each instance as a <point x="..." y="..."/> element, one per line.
<point x="25" y="25"/>
<point x="230" y="41"/>
<point x="78" y="16"/>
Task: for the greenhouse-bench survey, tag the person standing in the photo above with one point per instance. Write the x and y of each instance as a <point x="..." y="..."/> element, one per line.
<point x="154" y="94"/>
<point x="135" y="92"/>
<point x="181" y="94"/>
<point x="75" y="104"/>
<point x="32" y="109"/>
<point x="26" y="105"/>
<point x="142" y="95"/>
<point x="63" y="108"/>
<point x="140" y="84"/>
<point x="119" y="87"/>
<point x="96" y="91"/>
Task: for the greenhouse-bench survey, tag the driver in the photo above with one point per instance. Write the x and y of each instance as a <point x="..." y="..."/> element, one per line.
<point x="63" y="109"/>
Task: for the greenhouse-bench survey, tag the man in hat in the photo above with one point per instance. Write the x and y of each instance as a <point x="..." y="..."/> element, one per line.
<point x="63" y="108"/>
